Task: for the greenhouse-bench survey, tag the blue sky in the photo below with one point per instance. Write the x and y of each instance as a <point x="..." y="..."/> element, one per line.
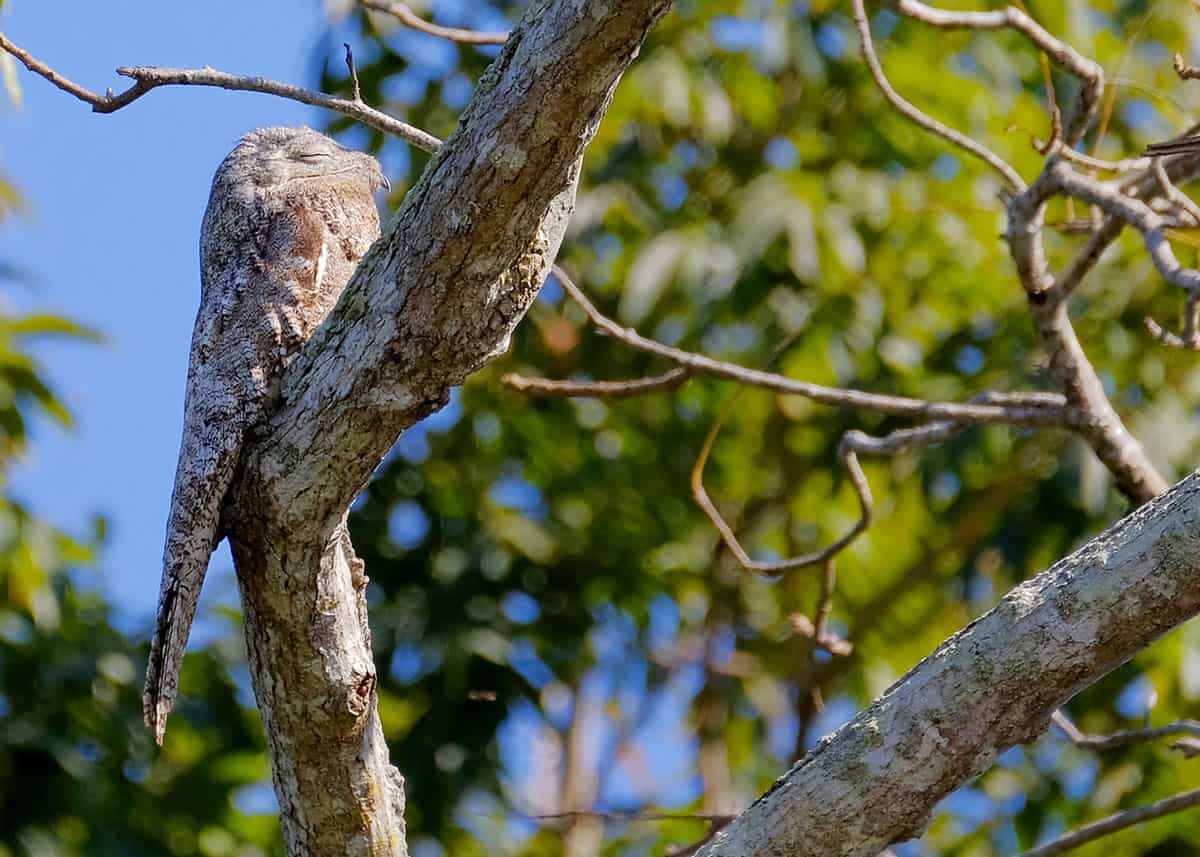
<point x="112" y="237"/>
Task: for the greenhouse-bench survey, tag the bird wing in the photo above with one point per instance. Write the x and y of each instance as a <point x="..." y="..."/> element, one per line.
<point x="251" y="320"/>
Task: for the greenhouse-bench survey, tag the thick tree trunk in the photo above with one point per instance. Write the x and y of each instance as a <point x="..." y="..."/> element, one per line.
<point x="435" y="299"/>
<point x="990" y="686"/>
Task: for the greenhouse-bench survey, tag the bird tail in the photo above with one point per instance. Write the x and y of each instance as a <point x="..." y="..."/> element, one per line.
<point x="206" y="464"/>
<point x="177" y="604"/>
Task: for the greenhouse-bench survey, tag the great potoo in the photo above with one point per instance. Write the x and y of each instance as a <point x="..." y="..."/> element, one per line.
<point x="290" y="214"/>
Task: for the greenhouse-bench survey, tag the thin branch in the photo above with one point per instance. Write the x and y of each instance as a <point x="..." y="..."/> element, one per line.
<point x="669" y="380"/>
<point x="1174" y="194"/>
<point x="1114" y="823"/>
<point x="818" y="630"/>
<point x="1191" y="321"/>
<point x="857" y="478"/>
<point x="567" y="815"/>
<point x="1190" y="338"/>
<point x="147" y="78"/>
<point x="1123" y="738"/>
<point x="853" y="444"/>
<point x="913" y="113"/>
<point x="901" y="406"/>
<point x="1062" y="54"/>
<point x="825" y="599"/>
<point x="1087" y="257"/>
<point x="353" y="71"/>
<point x="826" y="642"/>
<point x="411" y="19"/>
<point x="1098" y="422"/>
<point x="98" y="102"/>
<point x="1185" y="71"/>
<point x="1136" y="213"/>
<point x="1089" y="161"/>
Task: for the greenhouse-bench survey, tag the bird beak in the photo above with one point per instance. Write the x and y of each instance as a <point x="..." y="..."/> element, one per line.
<point x="387" y="185"/>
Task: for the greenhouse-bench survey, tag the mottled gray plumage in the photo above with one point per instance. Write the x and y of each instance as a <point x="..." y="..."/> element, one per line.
<point x="290" y="214"/>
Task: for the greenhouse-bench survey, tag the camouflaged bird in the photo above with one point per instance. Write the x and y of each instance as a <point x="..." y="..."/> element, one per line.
<point x="290" y="215"/>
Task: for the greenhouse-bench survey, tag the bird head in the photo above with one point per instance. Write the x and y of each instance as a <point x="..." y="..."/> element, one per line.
<point x="273" y="157"/>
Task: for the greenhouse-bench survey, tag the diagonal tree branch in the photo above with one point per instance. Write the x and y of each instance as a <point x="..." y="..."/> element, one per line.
<point x="992" y="685"/>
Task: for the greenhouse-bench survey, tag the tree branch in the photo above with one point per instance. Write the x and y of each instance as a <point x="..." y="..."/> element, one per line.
<point x="669" y="380"/>
<point x="409" y="18"/>
<point x="992" y="685"/>
<point x="1098" y="422"/>
<point x="1089" y="72"/>
<point x="1126" y="736"/>
<point x="1022" y="413"/>
<point x="1114" y="823"/>
<point x="918" y="117"/>
<point x="147" y="78"/>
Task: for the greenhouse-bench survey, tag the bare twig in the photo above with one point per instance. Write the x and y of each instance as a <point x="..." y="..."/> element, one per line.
<point x="1189" y="140"/>
<point x="1190" y="338"/>
<point x="98" y="102"/>
<point x="147" y="78"/>
<point x="353" y="71"/>
<point x="1114" y="823"/>
<point x="1191" y="321"/>
<point x="1055" y="143"/>
<point x="409" y="18"/>
<point x="857" y="478"/>
<point x="1090" y="161"/>
<point x="1185" y="71"/>
<point x="827" y="642"/>
<point x="1123" y="738"/>
<point x="906" y="108"/>
<point x="669" y="380"/>
<point x="1136" y="213"/>
<point x="1174" y="194"/>
<point x="1087" y="257"/>
<point x="567" y="815"/>
<point x="901" y="406"/>
<point x="852" y="445"/>
<point x="825" y="599"/>
<point x="1013" y="18"/>
<point x="818" y="630"/>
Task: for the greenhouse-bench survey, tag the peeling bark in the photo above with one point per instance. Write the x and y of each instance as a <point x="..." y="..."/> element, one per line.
<point x="435" y="299"/>
<point x="990" y="686"/>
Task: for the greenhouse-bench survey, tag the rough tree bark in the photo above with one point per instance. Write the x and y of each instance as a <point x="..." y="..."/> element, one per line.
<point x="436" y="298"/>
<point x="992" y="685"/>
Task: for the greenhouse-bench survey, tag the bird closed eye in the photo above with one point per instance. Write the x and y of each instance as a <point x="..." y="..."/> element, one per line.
<point x="314" y="156"/>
